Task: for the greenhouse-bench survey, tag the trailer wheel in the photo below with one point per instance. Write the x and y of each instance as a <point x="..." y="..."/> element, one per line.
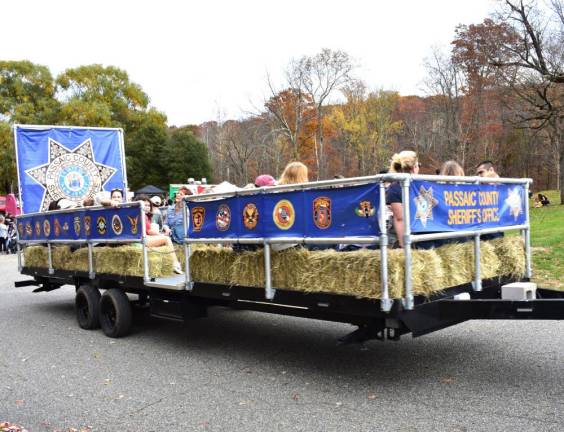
<point x="87" y="302"/>
<point x="115" y="313"/>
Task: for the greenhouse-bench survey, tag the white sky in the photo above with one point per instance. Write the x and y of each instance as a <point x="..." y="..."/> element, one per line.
<point x="195" y="58"/>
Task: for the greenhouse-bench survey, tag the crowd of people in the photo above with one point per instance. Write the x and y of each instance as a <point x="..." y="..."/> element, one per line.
<point x="7" y="234"/>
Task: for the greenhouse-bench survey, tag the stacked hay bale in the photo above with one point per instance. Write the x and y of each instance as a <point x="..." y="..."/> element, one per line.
<point x="348" y="273"/>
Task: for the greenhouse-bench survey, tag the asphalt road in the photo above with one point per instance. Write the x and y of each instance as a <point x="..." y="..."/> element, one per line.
<point x="244" y="371"/>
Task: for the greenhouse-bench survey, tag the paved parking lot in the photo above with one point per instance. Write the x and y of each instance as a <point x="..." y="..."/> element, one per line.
<point x="244" y="371"/>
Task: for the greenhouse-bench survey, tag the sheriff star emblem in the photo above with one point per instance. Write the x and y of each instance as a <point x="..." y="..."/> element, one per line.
<point x="424" y="203"/>
<point x="514" y="202"/>
<point x="71" y="174"/>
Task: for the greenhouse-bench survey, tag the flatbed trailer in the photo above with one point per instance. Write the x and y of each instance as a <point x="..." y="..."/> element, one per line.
<point x="180" y="298"/>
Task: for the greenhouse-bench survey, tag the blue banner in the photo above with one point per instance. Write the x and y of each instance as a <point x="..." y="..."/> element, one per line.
<point x="83" y="224"/>
<point x="66" y="162"/>
<point x="437" y="207"/>
<point x="329" y="212"/>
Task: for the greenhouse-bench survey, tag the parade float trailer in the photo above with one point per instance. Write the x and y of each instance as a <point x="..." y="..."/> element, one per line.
<point x="386" y="292"/>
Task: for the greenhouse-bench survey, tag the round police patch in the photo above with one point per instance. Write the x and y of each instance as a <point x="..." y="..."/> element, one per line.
<point x="72" y="176"/>
<point x="117" y="226"/>
<point x="46" y="227"/>
<point x="223" y="217"/>
<point x="284" y="215"/>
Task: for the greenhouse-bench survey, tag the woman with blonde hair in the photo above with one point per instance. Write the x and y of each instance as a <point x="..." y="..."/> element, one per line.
<point x="451" y="168"/>
<point x="402" y="162"/>
<point x="295" y="172"/>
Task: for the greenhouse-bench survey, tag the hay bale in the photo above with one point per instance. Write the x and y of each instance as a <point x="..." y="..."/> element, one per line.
<point x="489" y="260"/>
<point x="427" y="273"/>
<point x="511" y="253"/>
<point x="212" y="264"/>
<point x="36" y="256"/>
<point x="61" y="257"/>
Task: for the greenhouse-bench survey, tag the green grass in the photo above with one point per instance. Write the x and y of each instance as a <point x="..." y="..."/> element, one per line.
<point x="547" y="241"/>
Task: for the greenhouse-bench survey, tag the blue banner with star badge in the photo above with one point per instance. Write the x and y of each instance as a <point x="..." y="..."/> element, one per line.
<point x="57" y="162"/>
<point x="437" y="207"/>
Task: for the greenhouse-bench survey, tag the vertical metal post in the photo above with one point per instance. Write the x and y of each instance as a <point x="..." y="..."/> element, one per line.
<point x="187" y="249"/>
<point x="385" y="302"/>
<point x="408" y="299"/>
<point x="527" y="235"/>
<point x="144" y="243"/>
<point x="91" y="272"/>
<point x="477" y="285"/>
<point x="269" y="292"/>
<point x="50" y="258"/>
<point x="18" y="248"/>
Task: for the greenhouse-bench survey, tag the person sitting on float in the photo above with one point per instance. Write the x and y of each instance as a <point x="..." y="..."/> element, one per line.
<point x="153" y="237"/>
<point x="175" y="217"/>
<point x="402" y="162"/>
<point x="115" y="199"/>
<point x="295" y="172"/>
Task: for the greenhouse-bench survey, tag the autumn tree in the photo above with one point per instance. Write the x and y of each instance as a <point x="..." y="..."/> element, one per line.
<point x="319" y="76"/>
<point x="532" y="65"/>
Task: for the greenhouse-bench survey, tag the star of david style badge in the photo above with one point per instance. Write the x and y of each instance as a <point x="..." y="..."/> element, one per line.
<point x="514" y="202"/>
<point x="424" y="203"/>
<point x="71" y="174"/>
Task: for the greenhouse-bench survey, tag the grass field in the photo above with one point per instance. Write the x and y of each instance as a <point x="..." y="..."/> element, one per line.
<point x="547" y="240"/>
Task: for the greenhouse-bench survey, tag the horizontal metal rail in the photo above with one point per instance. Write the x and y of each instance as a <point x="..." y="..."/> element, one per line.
<point x="416" y="238"/>
<point x="287" y="240"/>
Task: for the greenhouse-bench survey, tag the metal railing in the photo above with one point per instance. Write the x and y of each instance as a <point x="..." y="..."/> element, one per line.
<point x="381" y="240"/>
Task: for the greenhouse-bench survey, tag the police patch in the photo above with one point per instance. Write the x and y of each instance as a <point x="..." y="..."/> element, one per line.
<point x="37" y="228"/>
<point x="65" y="227"/>
<point x="250" y="216"/>
<point x="21" y="229"/>
<point x="223" y="217"/>
<point x="46" y="227"/>
<point x="57" y="227"/>
<point x="198" y="215"/>
<point x="365" y="209"/>
<point x="117" y="226"/>
<point x="284" y="214"/>
<point x="101" y="225"/>
<point x="76" y="225"/>
<point x="322" y="212"/>
<point x="134" y="222"/>
<point x="87" y="225"/>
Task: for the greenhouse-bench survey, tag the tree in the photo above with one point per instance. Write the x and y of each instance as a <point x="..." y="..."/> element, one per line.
<point x="186" y="156"/>
<point x="319" y="77"/>
<point x="27" y="93"/>
<point x="7" y="159"/>
<point x="532" y="65"/>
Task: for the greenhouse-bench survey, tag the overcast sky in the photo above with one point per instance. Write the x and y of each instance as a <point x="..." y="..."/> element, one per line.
<point x="194" y="59"/>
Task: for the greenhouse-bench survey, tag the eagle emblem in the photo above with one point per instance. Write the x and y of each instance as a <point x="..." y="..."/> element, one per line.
<point x="250" y="216"/>
<point x="365" y="209"/>
<point x="134" y="222"/>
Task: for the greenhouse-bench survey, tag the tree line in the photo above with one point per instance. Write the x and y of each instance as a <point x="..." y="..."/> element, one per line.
<point x="496" y="94"/>
<point x="97" y="96"/>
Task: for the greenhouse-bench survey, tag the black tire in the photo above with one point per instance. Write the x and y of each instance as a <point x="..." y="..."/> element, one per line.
<point x="115" y="313"/>
<point x="87" y="303"/>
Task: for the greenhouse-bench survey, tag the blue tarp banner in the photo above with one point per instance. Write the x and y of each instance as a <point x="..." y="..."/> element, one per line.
<point x="83" y="224"/>
<point x="66" y="162"/>
<point x="437" y="207"/>
<point x="328" y="212"/>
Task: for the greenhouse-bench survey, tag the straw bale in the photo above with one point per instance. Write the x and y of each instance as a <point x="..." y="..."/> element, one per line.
<point x="511" y="253"/>
<point x="212" y="264"/>
<point x="490" y="262"/>
<point x="36" y="256"/>
<point x="61" y="255"/>
<point x="427" y="272"/>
